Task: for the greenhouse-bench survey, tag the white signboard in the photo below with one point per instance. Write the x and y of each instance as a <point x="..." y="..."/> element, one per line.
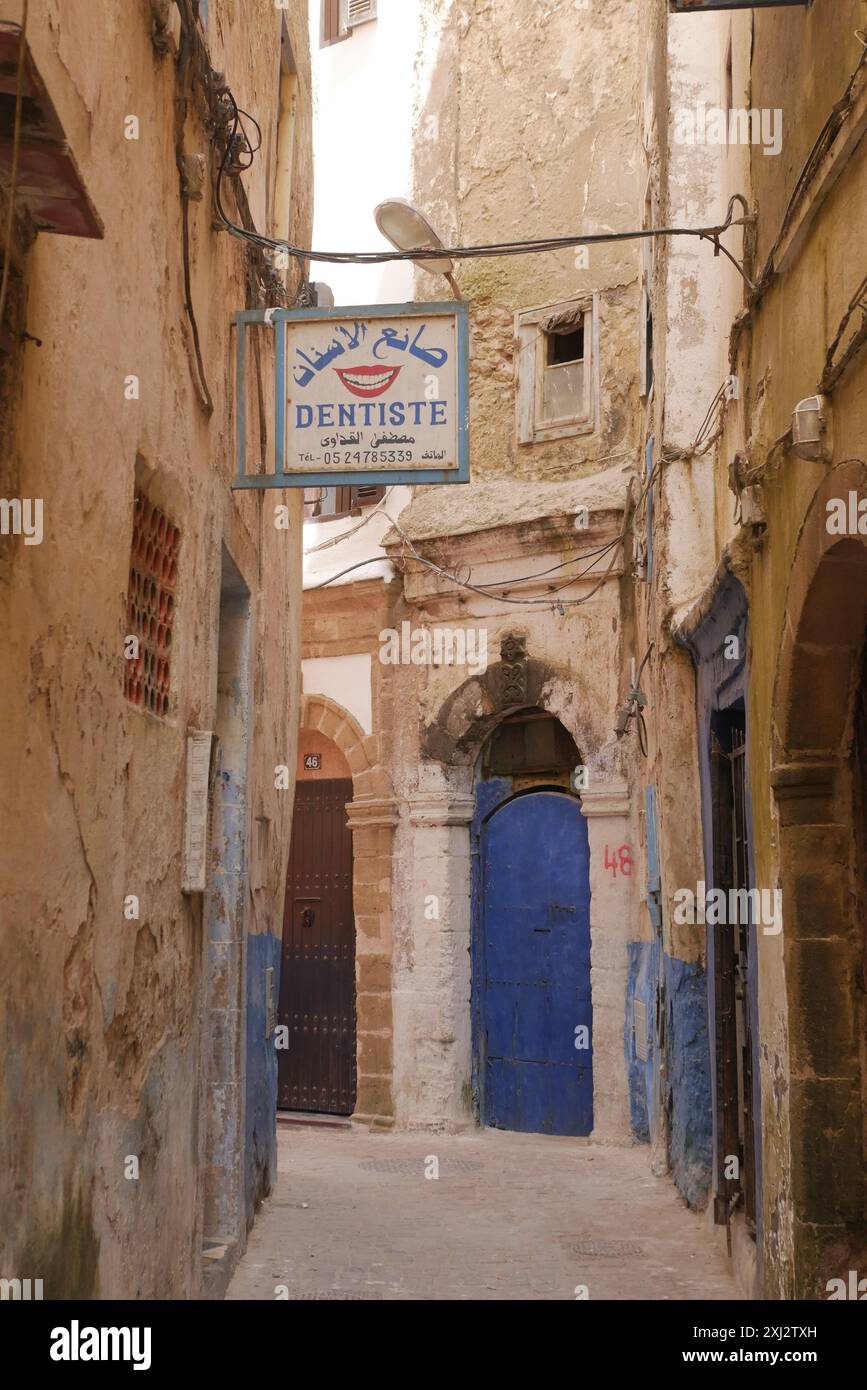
<point x="196" y="818"/>
<point x="376" y="391"/>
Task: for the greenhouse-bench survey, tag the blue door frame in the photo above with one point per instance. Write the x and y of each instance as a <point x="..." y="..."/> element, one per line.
<point x="532" y="1008"/>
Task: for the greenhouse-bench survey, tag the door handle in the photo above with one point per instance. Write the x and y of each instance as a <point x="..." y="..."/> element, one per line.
<point x="307" y="917"/>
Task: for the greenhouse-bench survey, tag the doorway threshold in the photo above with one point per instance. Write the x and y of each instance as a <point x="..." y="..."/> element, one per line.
<point x="313" y="1117"/>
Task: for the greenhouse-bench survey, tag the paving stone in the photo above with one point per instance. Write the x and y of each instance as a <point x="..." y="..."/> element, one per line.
<point x="353" y="1217"/>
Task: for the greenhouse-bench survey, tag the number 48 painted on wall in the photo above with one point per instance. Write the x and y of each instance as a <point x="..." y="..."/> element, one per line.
<point x="618" y="858"/>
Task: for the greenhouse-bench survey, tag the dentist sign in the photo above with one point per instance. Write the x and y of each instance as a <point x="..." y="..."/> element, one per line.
<point x="375" y="394"/>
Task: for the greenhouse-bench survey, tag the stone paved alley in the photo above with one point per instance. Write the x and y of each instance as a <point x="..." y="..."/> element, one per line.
<point x="511" y="1216"/>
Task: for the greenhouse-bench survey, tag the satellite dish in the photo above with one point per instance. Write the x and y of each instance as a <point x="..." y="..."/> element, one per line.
<point x="408" y="230"/>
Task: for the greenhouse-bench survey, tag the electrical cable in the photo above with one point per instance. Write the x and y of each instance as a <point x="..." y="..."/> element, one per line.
<point x="486" y="591"/>
<point x="344" y="535"/>
<point x="823" y="142"/>
<point x="506" y="248"/>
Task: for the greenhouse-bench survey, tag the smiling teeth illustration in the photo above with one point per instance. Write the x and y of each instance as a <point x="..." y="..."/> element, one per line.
<point x="369" y="382"/>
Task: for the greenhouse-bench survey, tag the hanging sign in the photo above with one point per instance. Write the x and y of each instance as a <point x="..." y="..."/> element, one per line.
<point x="375" y="394"/>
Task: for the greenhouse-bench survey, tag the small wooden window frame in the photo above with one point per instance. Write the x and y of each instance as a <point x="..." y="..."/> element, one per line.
<point x="349" y="503"/>
<point x="331" y="29"/>
<point x="531" y="364"/>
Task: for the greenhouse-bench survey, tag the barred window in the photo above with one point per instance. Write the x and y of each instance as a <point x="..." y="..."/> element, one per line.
<point x="153" y="572"/>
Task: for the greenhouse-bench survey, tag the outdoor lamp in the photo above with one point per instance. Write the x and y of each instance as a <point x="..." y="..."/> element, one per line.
<point x="408" y="230"/>
<point x="810" y="428"/>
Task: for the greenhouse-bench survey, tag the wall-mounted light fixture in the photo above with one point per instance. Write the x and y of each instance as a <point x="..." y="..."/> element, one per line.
<point x="409" y="230"/>
<point x="811" y="428"/>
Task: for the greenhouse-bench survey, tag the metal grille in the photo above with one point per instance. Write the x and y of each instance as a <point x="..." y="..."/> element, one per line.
<point x="734" y="1089"/>
<point x="153" y="572"/>
<point x="742" y="970"/>
<point x="639" y="1029"/>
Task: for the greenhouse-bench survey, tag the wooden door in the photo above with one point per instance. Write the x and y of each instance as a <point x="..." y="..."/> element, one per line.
<point x="536" y="1015"/>
<point x="317" y="982"/>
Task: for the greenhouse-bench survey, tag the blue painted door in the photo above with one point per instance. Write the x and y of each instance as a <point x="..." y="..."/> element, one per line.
<point x="535" y="1021"/>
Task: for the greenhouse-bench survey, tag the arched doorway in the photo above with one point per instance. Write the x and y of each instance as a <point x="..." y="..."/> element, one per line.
<point x="818" y="780"/>
<point x="317" y="1071"/>
<point x="531" y="958"/>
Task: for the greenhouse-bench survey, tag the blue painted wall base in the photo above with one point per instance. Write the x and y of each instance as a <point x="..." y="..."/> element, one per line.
<point x="260" y="1158"/>
<point x="688" y="1080"/>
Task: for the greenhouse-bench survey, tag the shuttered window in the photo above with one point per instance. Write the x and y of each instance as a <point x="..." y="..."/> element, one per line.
<point x="331" y="23"/>
<point x="330" y="503"/>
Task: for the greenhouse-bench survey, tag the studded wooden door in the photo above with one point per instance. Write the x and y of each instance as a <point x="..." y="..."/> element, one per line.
<point x="535" y="1035"/>
<point x="317" y="982"/>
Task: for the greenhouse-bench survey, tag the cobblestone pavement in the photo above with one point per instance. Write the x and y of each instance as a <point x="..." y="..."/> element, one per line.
<point x="511" y="1216"/>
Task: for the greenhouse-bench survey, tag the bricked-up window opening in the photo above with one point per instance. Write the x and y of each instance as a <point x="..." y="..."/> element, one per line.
<point x="529" y="743"/>
<point x="332" y="503"/>
<point x="153" y="573"/>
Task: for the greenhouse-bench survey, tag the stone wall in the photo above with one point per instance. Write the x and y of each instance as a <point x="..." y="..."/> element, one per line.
<point x="106" y="1037"/>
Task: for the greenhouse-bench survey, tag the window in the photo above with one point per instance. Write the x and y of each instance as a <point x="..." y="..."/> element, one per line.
<point x="340" y="17"/>
<point x="153" y="572"/>
<point x="330" y="28"/>
<point x="330" y="503"/>
<point x="556" y="386"/>
<point x="355" y="12"/>
<point x="48" y="185"/>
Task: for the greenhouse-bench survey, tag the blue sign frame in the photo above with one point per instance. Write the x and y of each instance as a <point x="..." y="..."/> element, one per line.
<point x="279" y="318"/>
<point x="705" y="6"/>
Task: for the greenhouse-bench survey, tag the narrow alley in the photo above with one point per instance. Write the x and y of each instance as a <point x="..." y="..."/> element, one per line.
<point x="492" y="1215"/>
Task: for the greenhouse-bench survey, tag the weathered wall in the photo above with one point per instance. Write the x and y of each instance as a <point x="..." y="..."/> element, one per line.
<point x="528" y="126"/>
<point x="814" y="54"/>
<point x="796" y="61"/>
<point x="104" y="1048"/>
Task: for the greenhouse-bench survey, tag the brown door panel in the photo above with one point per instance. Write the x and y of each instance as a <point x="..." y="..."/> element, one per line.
<point x="317" y="985"/>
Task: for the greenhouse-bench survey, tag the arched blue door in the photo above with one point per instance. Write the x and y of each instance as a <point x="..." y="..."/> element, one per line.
<point x="533" y="991"/>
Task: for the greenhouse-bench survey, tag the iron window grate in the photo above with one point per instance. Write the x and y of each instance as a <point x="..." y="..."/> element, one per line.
<point x="153" y="571"/>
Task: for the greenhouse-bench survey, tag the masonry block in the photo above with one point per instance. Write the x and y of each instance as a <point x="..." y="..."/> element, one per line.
<point x="826" y="1150"/>
<point x="822" y="1023"/>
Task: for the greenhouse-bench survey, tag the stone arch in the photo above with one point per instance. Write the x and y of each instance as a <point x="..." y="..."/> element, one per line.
<point x="469" y="715"/>
<point x="817" y="679"/>
<point x="441" y="813"/>
<point x="372" y="816"/>
<point x="325" y="715"/>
